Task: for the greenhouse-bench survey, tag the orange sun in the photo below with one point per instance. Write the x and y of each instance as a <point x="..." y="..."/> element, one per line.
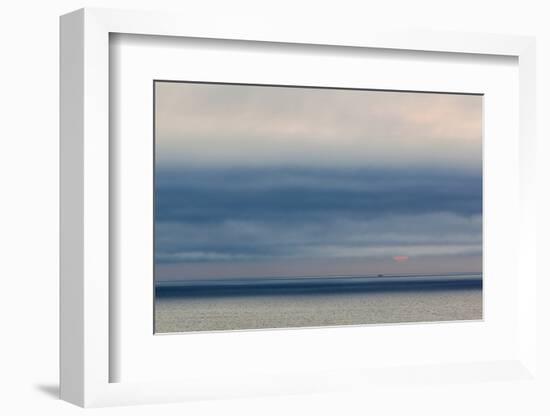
<point x="400" y="259"/>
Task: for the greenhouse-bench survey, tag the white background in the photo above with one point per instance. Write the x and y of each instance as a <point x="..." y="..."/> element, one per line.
<point x="29" y="220"/>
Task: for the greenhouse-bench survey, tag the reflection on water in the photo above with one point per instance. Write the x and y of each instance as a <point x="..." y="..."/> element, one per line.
<point x="211" y="313"/>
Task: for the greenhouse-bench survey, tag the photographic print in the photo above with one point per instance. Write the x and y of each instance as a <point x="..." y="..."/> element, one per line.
<point x="289" y="206"/>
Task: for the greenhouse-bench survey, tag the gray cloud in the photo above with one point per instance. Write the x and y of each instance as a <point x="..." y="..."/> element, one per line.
<point x="259" y="181"/>
<point x="403" y="235"/>
<point x="216" y="125"/>
<point x="295" y="195"/>
<point x="265" y="214"/>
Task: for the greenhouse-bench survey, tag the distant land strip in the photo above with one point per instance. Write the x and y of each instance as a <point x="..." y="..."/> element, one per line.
<point x="313" y="285"/>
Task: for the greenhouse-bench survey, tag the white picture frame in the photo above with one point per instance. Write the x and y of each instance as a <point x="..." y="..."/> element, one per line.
<point x="86" y="291"/>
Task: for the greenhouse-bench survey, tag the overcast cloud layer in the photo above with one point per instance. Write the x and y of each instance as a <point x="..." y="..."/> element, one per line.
<point x="263" y="181"/>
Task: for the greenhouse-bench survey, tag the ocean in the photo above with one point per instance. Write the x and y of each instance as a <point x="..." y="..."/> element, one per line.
<point x="240" y="304"/>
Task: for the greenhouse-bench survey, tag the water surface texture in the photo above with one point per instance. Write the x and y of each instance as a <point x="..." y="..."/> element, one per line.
<point x="246" y="312"/>
<point x="311" y="302"/>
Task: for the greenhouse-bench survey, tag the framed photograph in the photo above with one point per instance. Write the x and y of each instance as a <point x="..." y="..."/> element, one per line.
<point x="290" y="206"/>
<point x="260" y="212"/>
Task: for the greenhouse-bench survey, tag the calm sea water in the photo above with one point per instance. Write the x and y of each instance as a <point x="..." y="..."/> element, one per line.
<point x="242" y="311"/>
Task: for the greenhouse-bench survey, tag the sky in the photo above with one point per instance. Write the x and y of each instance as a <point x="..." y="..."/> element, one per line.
<point x="266" y="181"/>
